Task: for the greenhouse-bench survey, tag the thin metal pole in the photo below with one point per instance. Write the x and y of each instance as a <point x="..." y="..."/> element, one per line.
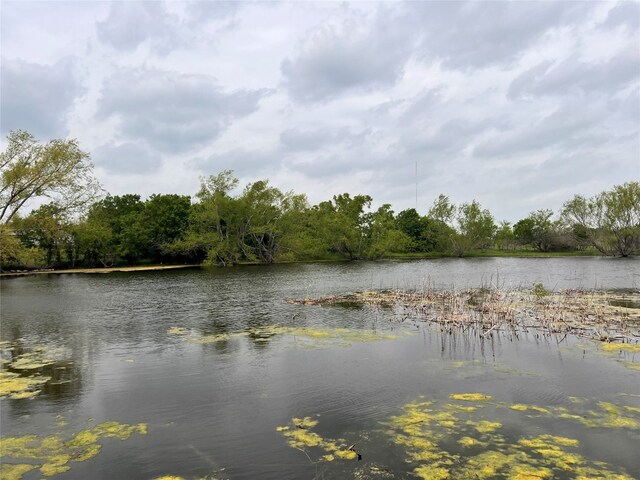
<point x="416" y="185"/>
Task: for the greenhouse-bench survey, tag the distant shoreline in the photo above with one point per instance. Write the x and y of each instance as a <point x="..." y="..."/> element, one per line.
<point x="99" y="270"/>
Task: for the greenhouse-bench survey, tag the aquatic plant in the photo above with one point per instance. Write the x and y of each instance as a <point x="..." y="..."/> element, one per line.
<point x="52" y="454"/>
<point x="15" y="386"/>
<point x="602" y="316"/>
<point x="305" y="336"/>
<point x="426" y="430"/>
<point x="300" y="436"/>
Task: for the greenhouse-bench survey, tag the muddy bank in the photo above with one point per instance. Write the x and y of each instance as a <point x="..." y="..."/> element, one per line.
<point x="97" y="270"/>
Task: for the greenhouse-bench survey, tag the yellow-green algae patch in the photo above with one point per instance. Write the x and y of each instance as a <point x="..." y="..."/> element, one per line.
<point x="300" y="436"/>
<point x="307" y="336"/>
<point x="600" y="415"/>
<point x="35" y="358"/>
<point x="427" y="438"/>
<point x="15" y="386"/>
<point x="52" y="453"/>
<point x="470" y="397"/>
<point x="631" y="365"/>
<point x="484" y="426"/>
<point x="625" y="347"/>
<point x="175" y="330"/>
<point x="15" y="471"/>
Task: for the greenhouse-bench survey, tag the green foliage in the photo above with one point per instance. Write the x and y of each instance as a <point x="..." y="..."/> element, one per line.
<point x="505" y="237"/>
<point x="536" y="230"/>
<point x="262" y="224"/>
<point x="540" y="291"/>
<point x="475" y="226"/>
<point x="48" y="228"/>
<point x="610" y="221"/>
<point x="10" y="247"/>
<point x="58" y="170"/>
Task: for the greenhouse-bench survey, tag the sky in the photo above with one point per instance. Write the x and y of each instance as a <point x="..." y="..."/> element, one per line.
<point x="518" y="105"/>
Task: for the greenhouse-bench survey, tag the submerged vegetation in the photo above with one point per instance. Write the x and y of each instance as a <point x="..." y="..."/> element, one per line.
<point x="263" y="224"/>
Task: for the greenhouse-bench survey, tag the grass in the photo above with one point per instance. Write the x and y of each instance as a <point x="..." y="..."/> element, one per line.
<point x="498" y="253"/>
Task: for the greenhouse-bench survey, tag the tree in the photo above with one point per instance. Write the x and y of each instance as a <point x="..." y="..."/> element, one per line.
<point x="49" y="229"/>
<point x="340" y="224"/>
<point x="475" y="228"/>
<point x="427" y="234"/>
<point x="58" y="170"/>
<point x="10" y="247"/>
<point x="610" y="220"/>
<point x="504" y="236"/>
<point x="165" y="220"/>
<point x="122" y="216"/>
<point x="469" y="226"/>
<point x="537" y="230"/>
<point x="382" y="234"/>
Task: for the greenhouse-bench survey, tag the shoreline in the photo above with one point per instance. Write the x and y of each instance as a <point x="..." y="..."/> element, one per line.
<point x="390" y="257"/>
<point x="99" y="270"/>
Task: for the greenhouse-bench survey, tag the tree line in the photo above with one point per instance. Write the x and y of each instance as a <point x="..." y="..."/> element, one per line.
<point x="79" y="227"/>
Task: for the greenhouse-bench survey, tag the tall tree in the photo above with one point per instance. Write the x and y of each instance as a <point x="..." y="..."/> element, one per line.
<point x="610" y="220"/>
<point x="58" y="170"/>
<point x="470" y="226"/>
<point x="50" y="229"/>
<point x="537" y="230"/>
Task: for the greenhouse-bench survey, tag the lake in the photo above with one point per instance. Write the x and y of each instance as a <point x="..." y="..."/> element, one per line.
<point x="230" y="380"/>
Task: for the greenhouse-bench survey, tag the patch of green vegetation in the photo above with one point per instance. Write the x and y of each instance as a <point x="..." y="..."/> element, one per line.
<point x="540" y="291"/>
<point x="305" y="336"/>
<point x="52" y="454"/>
<point x="470" y="397"/>
<point x="426" y="430"/>
<point x="175" y="330"/>
<point x="300" y="436"/>
<point x="621" y="347"/>
<point x="13" y="385"/>
<point x="15" y="471"/>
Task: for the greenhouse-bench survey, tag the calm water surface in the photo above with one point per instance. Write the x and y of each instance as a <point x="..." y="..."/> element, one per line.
<point x="214" y="408"/>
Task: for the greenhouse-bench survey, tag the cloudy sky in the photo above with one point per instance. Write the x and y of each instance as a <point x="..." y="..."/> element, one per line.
<point x="518" y="105"/>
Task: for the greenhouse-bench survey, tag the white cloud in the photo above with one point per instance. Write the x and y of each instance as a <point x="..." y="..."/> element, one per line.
<point x="511" y="103"/>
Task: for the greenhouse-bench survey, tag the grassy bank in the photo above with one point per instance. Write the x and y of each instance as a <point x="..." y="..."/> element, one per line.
<point x="499" y="253"/>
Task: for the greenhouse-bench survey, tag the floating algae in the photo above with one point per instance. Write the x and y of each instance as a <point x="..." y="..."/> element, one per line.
<point x="52" y="454"/>
<point x="33" y="358"/>
<point x="304" y="336"/>
<point x="30" y="368"/>
<point x="470" y="397"/>
<point x="426" y="440"/>
<point x="214" y="338"/>
<point x="606" y="415"/>
<point x="175" y="330"/>
<point x="621" y="347"/>
<point x="300" y="436"/>
<point x="15" y="471"/>
<point x="15" y="386"/>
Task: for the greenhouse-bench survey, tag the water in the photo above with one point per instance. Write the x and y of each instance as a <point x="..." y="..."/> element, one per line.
<point x="213" y="408"/>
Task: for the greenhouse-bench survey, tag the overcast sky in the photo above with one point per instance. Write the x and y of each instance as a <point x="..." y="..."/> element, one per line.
<point x="517" y="105"/>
